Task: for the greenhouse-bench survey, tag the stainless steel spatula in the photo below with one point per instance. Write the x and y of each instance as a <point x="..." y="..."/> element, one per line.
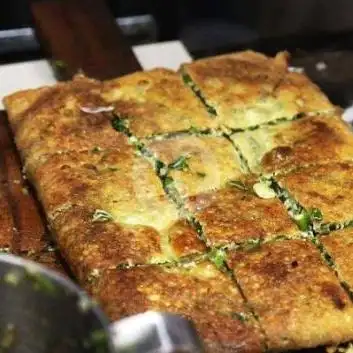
<point x="42" y="312"/>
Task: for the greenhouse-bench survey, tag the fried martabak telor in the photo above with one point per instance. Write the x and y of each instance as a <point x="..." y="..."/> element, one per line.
<point x="221" y="192"/>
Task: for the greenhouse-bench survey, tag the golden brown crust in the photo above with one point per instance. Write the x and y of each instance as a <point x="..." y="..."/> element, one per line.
<point x="200" y="293"/>
<point x="57" y="123"/>
<point x="156" y="102"/>
<point x="209" y="162"/>
<point x="292" y="144"/>
<point x="18" y="103"/>
<point x="339" y="244"/>
<point x="299" y="300"/>
<point x="232" y="216"/>
<point x="90" y="245"/>
<point x="47" y="258"/>
<point x="139" y="224"/>
<point x="7" y="230"/>
<point x="24" y="105"/>
<point x="119" y="182"/>
<point x="234" y="82"/>
<point x="299" y="94"/>
<point x="247" y="89"/>
<point x="108" y="209"/>
<point x="184" y="239"/>
<point x="328" y="187"/>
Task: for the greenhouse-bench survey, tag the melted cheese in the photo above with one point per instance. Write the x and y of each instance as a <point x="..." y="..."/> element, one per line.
<point x="153" y="213"/>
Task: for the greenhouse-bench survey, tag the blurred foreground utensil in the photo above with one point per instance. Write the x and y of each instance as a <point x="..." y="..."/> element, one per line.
<point x="42" y="312"/>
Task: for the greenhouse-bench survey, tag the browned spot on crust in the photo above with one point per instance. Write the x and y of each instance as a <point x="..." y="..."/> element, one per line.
<point x="278" y="272"/>
<point x="277" y="155"/>
<point x="309" y="140"/>
<point x="184" y="239"/>
<point x="334" y="292"/>
<point x="232" y="215"/>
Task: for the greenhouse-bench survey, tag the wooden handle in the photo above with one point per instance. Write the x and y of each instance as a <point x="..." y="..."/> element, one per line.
<point x="82" y="35"/>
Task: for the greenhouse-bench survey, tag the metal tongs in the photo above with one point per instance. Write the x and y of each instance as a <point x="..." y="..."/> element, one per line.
<point x="43" y="312"/>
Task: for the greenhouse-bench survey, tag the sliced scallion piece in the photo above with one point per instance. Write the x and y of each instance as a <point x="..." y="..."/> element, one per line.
<point x="101" y="216"/>
<point x="180" y="163"/>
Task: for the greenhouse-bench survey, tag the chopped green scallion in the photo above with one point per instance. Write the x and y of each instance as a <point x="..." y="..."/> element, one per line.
<point x="303" y="220"/>
<point x="168" y="182"/>
<point x="180" y="163"/>
<point x="316" y="214"/>
<point x="237" y="184"/>
<point x="218" y="257"/>
<point x="101" y="216"/>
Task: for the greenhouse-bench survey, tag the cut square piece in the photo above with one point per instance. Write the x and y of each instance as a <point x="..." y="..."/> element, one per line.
<point x="198" y="163"/>
<point x="339" y="245"/>
<point x="247" y="89"/>
<point x="69" y="117"/>
<point x="236" y="86"/>
<point x="156" y="102"/>
<point x="93" y="240"/>
<point x="198" y="292"/>
<point x="297" y="143"/>
<point x="117" y="181"/>
<point x="298" y="94"/>
<point x="298" y="299"/>
<point x="328" y="187"/>
<point x="236" y="215"/>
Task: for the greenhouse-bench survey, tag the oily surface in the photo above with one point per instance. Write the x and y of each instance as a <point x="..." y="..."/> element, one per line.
<point x="156" y="102"/>
<point x="198" y="163"/>
<point x="120" y="183"/>
<point x="89" y="243"/>
<point x="231" y="216"/>
<point x="309" y="140"/>
<point x="231" y="83"/>
<point x="148" y="216"/>
<point x="248" y="88"/>
<point x="6" y="222"/>
<point x="339" y="245"/>
<point x="328" y="187"/>
<point x="199" y="293"/>
<point x="290" y="288"/>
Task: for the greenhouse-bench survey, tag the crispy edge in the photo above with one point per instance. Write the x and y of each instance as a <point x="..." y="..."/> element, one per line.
<point x="90" y="247"/>
<point x="198" y="299"/>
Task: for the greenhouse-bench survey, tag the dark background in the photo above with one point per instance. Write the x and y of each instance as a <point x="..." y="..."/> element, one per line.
<point x="211" y="25"/>
<point x="312" y="30"/>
